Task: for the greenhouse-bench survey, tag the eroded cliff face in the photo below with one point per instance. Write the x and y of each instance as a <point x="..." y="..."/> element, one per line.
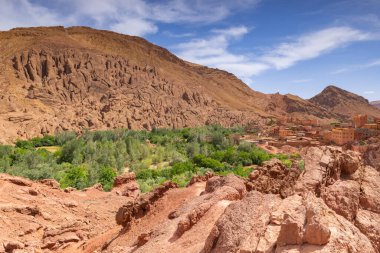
<point x="55" y="78"/>
<point x="95" y="91"/>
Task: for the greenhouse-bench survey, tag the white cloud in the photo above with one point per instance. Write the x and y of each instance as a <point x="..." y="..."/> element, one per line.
<point x="214" y="50"/>
<point x="312" y="45"/>
<point x="369" y="92"/>
<point x="19" y="13"/>
<point x="135" y="17"/>
<point x="178" y="35"/>
<point x="371" y="64"/>
<point x="134" y="26"/>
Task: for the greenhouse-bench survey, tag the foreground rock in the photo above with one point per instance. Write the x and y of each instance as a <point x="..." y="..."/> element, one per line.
<point x="265" y="223"/>
<point x="331" y="206"/>
<point x="126" y="185"/>
<point x="40" y="217"/>
<point x="274" y="177"/>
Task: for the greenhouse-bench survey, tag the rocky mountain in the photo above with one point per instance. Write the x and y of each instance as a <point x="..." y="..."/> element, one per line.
<point x="55" y="78"/>
<point x="333" y="206"/>
<point x="376" y="103"/>
<point x="344" y="103"/>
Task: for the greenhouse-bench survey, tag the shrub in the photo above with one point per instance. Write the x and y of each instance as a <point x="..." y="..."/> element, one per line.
<point x="301" y="165"/>
<point x="207" y="162"/>
<point x="24" y="144"/>
<point x="75" y="176"/>
<point x="288" y="163"/>
<point x="106" y="177"/>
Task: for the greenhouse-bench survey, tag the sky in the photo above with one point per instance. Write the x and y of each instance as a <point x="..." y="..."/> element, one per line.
<point x="286" y="46"/>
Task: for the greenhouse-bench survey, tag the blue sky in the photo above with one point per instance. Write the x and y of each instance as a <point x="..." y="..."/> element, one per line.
<point x="292" y="46"/>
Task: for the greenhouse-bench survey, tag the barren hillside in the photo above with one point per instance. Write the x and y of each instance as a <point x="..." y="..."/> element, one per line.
<point x="375" y="103"/>
<point x="343" y="103"/>
<point x="54" y="79"/>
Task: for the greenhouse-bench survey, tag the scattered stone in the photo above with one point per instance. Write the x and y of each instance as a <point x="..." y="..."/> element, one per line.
<point x="50" y="182"/>
<point x="12" y="246"/>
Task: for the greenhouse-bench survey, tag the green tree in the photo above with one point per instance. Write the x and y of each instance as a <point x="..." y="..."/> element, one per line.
<point x="106" y="177"/>
<point x="75" y="176"/>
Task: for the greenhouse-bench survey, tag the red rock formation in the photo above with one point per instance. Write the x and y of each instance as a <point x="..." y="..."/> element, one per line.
<point x="126" y="185"/>
<point x="273" y="177"/>
<point x="332" y="206"/>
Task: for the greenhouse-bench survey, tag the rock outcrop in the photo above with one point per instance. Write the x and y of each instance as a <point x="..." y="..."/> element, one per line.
<point x="331" y="206"/>
<point x="126" y="185"/>
<point x="40" y="217"/>
<point x="274" y="177"/>
<point x="138" y="208"/>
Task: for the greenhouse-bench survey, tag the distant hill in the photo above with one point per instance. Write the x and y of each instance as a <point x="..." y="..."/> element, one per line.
<point x="344" y="103"/>
<point x="376" y="103"/>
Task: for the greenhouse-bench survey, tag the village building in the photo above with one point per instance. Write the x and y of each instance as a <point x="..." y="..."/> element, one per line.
<point x="359" y="120"/>
<point x="340" y="136"/>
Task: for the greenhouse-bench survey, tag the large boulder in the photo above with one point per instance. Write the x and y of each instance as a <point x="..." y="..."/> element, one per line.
<point x="370" y="190"/>
<point x="126" y="185"/>
<point x="273" y="177"/>
<point x="139" y="207"/>
<point x="369" y="224"/>
<point x="264" y="223"/>
<point x="343" y="198"/>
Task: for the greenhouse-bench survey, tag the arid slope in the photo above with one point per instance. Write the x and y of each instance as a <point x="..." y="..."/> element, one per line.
<point x="376" y="103"/>
<point x="343" y="103"/>
<point x="54" y="79"/>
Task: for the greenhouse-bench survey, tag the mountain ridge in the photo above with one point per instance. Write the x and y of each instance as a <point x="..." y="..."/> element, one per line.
<point x="56" y="79"/>
<point x="343" y="103"/>
<point x="376" y="103"/>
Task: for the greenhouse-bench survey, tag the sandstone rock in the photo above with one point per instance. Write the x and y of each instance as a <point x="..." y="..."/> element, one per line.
<point x="200" y="178"/>
<point x="370" y="190"/>
<point x="291" y="232"/>
<point x="349" y="162"/>
<point x="33" y="192"/>
<point x="326" y="165"/>
<point x="273" y="177"/>
<point x="124" y="179"/>
<point x="369" y="224"/>
<point x="70" y="203"/>
<point x="316" y="234"/>
<point x="242" y="223"/>
<point x="372" y="155"/>
<point x="16" y="180"/>
<point x="126" y="185"/>
<point x="143" y="238"/>
<point x="231" y="181"/>
<point x="294" y="224"/>
<point x="140" y="207"/>
<point x="69" y="189"/>
<point x="50" y="182"/>
<point x="13" y="245"/>
<point x="97" y="186"/>
<point x="343" y="198"/>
